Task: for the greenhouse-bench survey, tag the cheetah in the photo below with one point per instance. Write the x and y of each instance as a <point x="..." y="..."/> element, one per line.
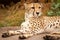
<point x="35" y="23"/>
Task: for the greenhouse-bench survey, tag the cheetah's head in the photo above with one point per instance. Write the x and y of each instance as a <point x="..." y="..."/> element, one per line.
<point x="33" y="9"/>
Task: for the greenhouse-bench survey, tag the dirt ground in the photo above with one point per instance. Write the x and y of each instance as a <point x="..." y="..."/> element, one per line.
<point x="16" y="37"/>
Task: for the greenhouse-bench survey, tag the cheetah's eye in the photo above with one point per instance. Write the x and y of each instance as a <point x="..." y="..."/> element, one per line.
<point x="33" y="7"/>
<point x="39" y="7"/>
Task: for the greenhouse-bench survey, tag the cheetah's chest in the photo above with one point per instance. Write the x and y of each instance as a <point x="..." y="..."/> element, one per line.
<point x="35" y="25"/>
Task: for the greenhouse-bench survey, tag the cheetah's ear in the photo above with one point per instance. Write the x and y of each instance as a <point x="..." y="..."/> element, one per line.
<point x="25" y="5"/>
<point x="41" y="5"/>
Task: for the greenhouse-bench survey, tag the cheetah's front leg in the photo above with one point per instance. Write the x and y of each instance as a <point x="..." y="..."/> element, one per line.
<point x="11" y="33"/>
<point x="17" y="32"/>
<point x="24" y="32"/>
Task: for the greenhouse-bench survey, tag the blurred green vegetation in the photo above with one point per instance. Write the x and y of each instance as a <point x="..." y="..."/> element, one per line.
<point x="55" y="9"/>
<point x="58" y="1"/>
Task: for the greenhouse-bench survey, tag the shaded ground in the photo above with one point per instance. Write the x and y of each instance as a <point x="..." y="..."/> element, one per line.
<point x="16" y="37"/>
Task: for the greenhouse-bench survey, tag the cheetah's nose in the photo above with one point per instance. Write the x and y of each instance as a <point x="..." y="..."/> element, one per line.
<point x="37" y="13"/>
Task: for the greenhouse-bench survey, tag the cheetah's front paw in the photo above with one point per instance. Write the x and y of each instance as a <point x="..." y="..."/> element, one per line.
<point x="24" y="36"/>
<point x="4" y="35"/>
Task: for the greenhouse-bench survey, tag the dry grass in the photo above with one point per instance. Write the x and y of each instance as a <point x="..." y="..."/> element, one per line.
<point x="13" y="16"/>
<point x="13" y="19"/>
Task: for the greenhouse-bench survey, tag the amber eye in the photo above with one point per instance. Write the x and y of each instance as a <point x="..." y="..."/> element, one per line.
<point x="33" y="7"/>
<point x="39" y="7"/>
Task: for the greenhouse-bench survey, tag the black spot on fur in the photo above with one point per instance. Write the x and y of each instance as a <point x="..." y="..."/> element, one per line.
<point x="56" y="23"/>
<point x="58" y="20"/>
<point x="56" y="27"/>
<point x="53" y="24"/>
